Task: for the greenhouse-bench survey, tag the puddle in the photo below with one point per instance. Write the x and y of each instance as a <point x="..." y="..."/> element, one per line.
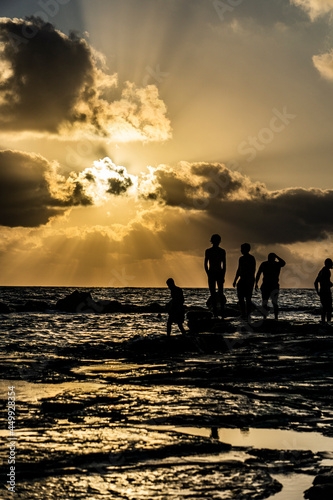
<point x="30" y="392"/>
<point x="274" y="439"/>
<point x="294" y="486"/>
<point x="113" y="367"/>
<point x="290" y="357"/>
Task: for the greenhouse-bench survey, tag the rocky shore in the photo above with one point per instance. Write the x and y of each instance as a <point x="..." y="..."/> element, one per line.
<point x="148" y="416"/>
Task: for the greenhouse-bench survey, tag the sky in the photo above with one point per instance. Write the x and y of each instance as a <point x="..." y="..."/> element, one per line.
<point x="133" y="130"/>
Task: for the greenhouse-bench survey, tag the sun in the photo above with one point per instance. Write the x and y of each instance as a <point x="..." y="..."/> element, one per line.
<point x="104" y="179"/>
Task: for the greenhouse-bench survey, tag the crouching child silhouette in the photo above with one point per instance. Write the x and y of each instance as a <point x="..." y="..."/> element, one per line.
<point x="175" y="307"/>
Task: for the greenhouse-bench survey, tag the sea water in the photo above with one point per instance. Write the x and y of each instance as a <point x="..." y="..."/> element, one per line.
<point x="45" y="331"/>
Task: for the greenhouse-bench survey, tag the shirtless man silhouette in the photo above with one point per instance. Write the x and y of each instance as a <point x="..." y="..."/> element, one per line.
<point x="324" y="280"/>
<point x="215" y="267"/>
<point x="270" y="269"/>
<point x="244" y="280"/>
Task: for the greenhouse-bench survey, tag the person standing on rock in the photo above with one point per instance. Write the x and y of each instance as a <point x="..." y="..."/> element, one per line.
<point x="324" y="281"/>
<point x="215" y="267"/>
<point x="270" y="269"/>
<point x="175" y="307"/>
<point x="244" y="280"/>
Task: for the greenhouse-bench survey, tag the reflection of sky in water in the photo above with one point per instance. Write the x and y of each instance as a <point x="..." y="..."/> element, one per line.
<point x="293" y="486"/>
<point x="275" y="439"/>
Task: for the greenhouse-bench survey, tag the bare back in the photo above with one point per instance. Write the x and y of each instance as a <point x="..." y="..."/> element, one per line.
<point x="215" y="259"/>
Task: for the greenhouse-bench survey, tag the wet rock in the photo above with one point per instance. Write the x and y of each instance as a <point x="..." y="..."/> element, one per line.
<point x="203" y="321"/>
<point x="200" y="321"/>
<point x="325" y="478"/>
<point x="110" y="306"/>
<point x="322" y="488"/>
<point x="33" y="306"/>
<point x="4" y="309"/>
<point x="232" y="311"/>
<point x="78" y="302"/>
<point x="320" y="492"/>
<point x="155" y="307"/>
<point x="61" y="408"/>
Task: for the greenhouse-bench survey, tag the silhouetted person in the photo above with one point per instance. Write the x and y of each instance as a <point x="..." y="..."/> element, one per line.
<point x="270" y="269"/>
<point x="324" y="280"/>
<point x="215" y="266"/>
<point x="176" y="307"/>
<point x="244" y="280"/>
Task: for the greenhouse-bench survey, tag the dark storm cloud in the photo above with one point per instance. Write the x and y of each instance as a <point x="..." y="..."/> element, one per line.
<point x="287" y="216"/>
<point x="248" y="209"/>
<point x="195" y="185"/>
<point x="53" y="83"/>
<point x="28" y="194"/>
<point x="48" y="73"/>
<point x="119" y="186"/>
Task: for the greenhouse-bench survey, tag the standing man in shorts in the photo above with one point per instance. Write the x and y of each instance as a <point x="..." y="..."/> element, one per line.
<point x="270" y="269"/>
<point x="324" y="280"/>
<point x="244" y="280"/>
<point x="215" y="267"/>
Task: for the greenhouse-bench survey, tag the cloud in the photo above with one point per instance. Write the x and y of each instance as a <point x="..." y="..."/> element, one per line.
<point x="57" y="84"/>
<point x="315" y="8"/>
<point x="245" y="208"/>
<point x="324" y="64"/>
<point x="226" y="198"/>
<point x="201" y="196"/>
<point x="103" y="179"/>
<point x="28" y="196"/>
<point x="286" y="216"/>
<point x="193" y="185"/>
<point x="32" y="189"/>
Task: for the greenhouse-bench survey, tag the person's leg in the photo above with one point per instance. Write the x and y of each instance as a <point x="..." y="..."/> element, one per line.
<point x="265" y="297"/>
<point x="323" y="311"/>
<point x="220" y="283"/>
<point x="275" y="297"/>
<point x="323" y="308"/>
<point x="248" y="299"/>
<point x="242" y="307"/>
<point x="212" y="286"/>
<point x="326" y="302"/>
<point x="169" y="323"/>
<point x="181" y="328"/>
<point x="329" y="308"/>
<point x="241" y="301"/>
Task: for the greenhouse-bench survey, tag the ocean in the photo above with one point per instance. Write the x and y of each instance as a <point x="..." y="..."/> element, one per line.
<point x="47" y="330"/>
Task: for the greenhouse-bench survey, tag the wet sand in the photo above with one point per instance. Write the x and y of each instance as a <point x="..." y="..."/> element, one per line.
<point x="110" y="423"/>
